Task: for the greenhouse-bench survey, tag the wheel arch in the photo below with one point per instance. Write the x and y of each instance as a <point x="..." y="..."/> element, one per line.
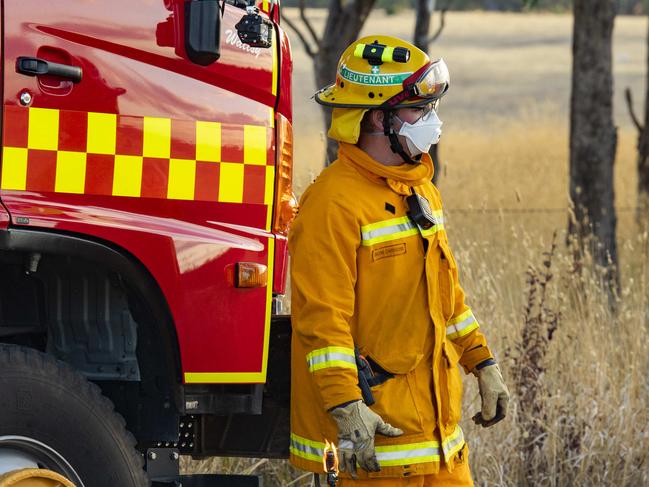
<point x="137" y="280"/>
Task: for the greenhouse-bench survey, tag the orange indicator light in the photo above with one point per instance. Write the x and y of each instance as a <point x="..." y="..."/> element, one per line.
<point x="246" y="274"/>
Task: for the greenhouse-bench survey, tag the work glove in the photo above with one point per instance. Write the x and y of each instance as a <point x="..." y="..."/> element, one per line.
<point x="357" y="426"/>
<point x="494" y="395"/>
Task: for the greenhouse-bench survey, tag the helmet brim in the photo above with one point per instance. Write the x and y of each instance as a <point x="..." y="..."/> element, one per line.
<point x="332" y="96"/>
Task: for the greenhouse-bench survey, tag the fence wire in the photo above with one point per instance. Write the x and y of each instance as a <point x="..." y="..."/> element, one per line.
<point x="622" y="209"/>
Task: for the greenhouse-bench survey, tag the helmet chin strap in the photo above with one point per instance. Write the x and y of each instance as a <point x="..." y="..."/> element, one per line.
<point x="395" y="145"/>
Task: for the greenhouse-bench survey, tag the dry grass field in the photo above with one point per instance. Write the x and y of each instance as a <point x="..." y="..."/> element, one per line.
<point x="577" y="373"/>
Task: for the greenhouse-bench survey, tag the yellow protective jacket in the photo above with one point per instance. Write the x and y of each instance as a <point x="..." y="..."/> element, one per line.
<point x="362" y="275"/>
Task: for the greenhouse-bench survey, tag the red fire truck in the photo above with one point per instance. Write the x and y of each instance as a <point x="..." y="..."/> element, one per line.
<point x="145" y="196"/>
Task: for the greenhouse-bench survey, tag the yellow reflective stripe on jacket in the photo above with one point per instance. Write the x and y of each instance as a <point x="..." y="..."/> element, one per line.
<point x="309" y="449"/>
<point x="387" y="230"/>
<point x="438" y="218"/>
<point x="396" y="228"/>
<point x="461" y="325"/>
<point x="408" y="453"/>
<point x="453" y="443"/>
<point x="331" y="357"/>
<point x="388" y="455"/>
<point x="432" y="230"/>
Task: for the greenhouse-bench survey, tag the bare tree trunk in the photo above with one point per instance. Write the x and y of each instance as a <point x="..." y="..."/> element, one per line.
<point x="593" y="137"/>
<point x="344" y="23"/>
<point x="424" y="12"/>
<point x="643" y="155"/>
<point x="425" y="9"/>
<point x="642" y="210"/>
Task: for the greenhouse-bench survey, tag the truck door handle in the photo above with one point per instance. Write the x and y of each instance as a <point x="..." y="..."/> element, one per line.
<point x="33" y="66"/>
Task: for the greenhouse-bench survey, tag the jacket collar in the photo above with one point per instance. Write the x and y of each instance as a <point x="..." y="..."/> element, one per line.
<point x="399" y="178"/>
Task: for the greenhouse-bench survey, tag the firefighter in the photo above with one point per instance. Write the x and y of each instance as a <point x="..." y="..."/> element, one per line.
<point x="376" y="299"/>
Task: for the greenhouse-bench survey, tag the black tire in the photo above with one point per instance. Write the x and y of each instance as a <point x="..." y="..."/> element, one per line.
<point x="46" y="400"/>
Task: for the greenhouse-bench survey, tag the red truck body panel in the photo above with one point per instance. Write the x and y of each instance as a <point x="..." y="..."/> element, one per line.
<point x="170" y="161"/>
<point x="285" y="102"/>
<point x="4" y="218"/>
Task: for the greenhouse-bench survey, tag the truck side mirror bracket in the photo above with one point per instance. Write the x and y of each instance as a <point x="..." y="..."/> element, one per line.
<point x="254" y="30"/>
<point x="202" y="31"/>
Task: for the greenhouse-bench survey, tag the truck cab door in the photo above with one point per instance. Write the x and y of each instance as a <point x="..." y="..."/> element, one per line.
<point x="167" y="159"/>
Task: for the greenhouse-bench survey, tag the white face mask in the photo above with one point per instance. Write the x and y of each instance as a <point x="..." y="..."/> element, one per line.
<point x="422" y="134"/>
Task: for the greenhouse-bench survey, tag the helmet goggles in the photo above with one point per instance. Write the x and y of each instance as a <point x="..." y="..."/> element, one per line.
<point x="428" y="83"/>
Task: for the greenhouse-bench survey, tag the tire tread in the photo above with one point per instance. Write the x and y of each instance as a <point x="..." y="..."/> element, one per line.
<point x="47" y="366"/>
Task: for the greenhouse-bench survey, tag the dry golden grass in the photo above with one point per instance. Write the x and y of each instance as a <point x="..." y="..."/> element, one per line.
<point x="505" y="156"/>
<point x="593" y="415"/>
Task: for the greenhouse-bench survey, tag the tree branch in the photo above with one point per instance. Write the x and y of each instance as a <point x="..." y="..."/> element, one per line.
<point x="298" y="32"/>
<point x="442" y="24"/>
<point x="629" y="104"/>
<point x="307" y="23"/>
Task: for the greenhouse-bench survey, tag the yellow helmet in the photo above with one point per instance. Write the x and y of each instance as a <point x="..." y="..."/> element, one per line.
<point x="386" y="72"/>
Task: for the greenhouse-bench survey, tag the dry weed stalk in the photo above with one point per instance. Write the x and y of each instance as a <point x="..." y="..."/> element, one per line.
<point x="540" y="323"/>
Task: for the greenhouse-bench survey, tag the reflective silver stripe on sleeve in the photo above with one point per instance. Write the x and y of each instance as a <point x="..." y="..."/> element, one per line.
<point x="461" y="325"/>
<point x="331" y="357"/>
<point x="458" y="327"/>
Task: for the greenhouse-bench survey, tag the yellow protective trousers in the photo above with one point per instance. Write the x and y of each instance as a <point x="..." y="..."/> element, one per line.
<point x="461" y="477"/>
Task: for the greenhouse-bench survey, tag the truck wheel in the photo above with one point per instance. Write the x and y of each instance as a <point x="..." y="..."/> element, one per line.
<point x="32" y="477"/>
<point x="51" y="417"/>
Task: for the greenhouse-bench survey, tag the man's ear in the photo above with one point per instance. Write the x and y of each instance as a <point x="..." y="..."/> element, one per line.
<point x="376" y="117"/>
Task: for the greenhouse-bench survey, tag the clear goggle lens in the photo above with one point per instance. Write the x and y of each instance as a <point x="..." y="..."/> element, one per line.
<point x="433" y="81"/>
